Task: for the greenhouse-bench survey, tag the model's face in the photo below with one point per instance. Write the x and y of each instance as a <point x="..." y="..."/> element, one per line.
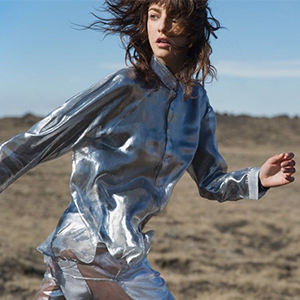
<point x="167" y="38"/>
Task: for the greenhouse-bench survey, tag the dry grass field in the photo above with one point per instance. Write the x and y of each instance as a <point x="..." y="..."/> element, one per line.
<point x="244" y="250"/>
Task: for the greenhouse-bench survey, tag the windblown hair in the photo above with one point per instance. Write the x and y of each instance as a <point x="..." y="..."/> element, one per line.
<point x="129" y="20"/>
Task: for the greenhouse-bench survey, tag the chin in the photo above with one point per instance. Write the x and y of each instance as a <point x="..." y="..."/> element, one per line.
<point x="163" y="57"/>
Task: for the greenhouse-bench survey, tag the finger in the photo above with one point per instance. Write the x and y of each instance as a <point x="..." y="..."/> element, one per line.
<point x="276" y="158"/>
<point x="288" y="155"/>
<point x="288" y="170"/>
<point x="281" y="157"/>
<point x="289" y="179"/>
<point x="288" y="163"/>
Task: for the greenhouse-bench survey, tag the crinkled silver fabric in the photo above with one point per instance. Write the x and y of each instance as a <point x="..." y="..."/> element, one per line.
<point x="106" y="278"/>
<point x="131" y="143"/>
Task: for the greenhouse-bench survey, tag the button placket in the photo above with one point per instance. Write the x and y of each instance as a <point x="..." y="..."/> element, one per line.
<point x="168" y="146"/>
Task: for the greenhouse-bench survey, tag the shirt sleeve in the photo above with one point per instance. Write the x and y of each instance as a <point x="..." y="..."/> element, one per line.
<point x="209" y="169"/>
<point x="62" y="129"/>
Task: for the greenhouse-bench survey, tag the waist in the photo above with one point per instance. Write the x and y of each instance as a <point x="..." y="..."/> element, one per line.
<point x="72" y="234"/>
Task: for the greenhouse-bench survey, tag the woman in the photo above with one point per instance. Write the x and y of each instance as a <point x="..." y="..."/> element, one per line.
<point x="133" y="135"/>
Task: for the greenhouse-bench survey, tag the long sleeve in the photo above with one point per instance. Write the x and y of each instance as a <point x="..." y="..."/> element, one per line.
<point x="62" y="129"/>
<point x="209" y="169"/>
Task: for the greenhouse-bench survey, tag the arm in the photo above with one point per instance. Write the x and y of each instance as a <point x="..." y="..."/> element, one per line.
<point x="209" y="169"/>
<point x="63" y="129"/>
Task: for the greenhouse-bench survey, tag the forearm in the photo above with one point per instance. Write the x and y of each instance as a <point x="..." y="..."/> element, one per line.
<point x="242" y="184"/>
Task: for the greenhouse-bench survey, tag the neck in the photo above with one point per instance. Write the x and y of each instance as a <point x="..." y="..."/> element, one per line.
<point x="175" y="68"/>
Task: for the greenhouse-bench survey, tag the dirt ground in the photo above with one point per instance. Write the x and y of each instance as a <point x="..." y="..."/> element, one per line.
<point x="246" y="250"/>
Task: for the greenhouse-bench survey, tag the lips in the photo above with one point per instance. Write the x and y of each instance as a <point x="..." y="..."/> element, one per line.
<point x="163" y="42"/>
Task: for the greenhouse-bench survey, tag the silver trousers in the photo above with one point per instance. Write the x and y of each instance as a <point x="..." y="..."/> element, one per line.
<point x="106" y="278"/>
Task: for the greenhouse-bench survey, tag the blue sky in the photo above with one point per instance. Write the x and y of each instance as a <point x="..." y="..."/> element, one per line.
<point x="44" y="61"/>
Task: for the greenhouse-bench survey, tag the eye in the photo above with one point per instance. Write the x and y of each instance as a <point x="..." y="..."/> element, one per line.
<point x="153" y="16"/>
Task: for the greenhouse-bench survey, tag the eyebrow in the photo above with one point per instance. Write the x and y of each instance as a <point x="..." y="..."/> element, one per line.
<point x="155" y="9"/>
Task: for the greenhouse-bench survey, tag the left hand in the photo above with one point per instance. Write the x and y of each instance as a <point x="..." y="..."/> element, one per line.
<point x="278" y="170"/>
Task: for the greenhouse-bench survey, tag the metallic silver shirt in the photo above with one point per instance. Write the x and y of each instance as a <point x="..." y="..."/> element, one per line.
<point x="131" y="143"/>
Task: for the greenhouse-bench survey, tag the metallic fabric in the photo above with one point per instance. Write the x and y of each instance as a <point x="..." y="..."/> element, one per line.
<point x="131" y="143"/>
<point x="106" y="278"/>
<point x="50" y="289"/>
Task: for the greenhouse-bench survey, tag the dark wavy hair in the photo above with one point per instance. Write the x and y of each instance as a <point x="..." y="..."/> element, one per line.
<point x="129" y="20"/>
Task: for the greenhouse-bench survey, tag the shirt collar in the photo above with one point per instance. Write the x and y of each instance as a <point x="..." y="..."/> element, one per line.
<point x="164" y="74"/>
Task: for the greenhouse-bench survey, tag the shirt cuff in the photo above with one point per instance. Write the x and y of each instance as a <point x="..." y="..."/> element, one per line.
<point x="256" y="190"/>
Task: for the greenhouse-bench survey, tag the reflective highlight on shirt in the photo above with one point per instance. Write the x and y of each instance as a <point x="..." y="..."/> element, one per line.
<point x="131" y="143"/>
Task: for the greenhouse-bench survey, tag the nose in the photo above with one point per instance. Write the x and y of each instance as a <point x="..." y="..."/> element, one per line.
<point x="163" y="25"/>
